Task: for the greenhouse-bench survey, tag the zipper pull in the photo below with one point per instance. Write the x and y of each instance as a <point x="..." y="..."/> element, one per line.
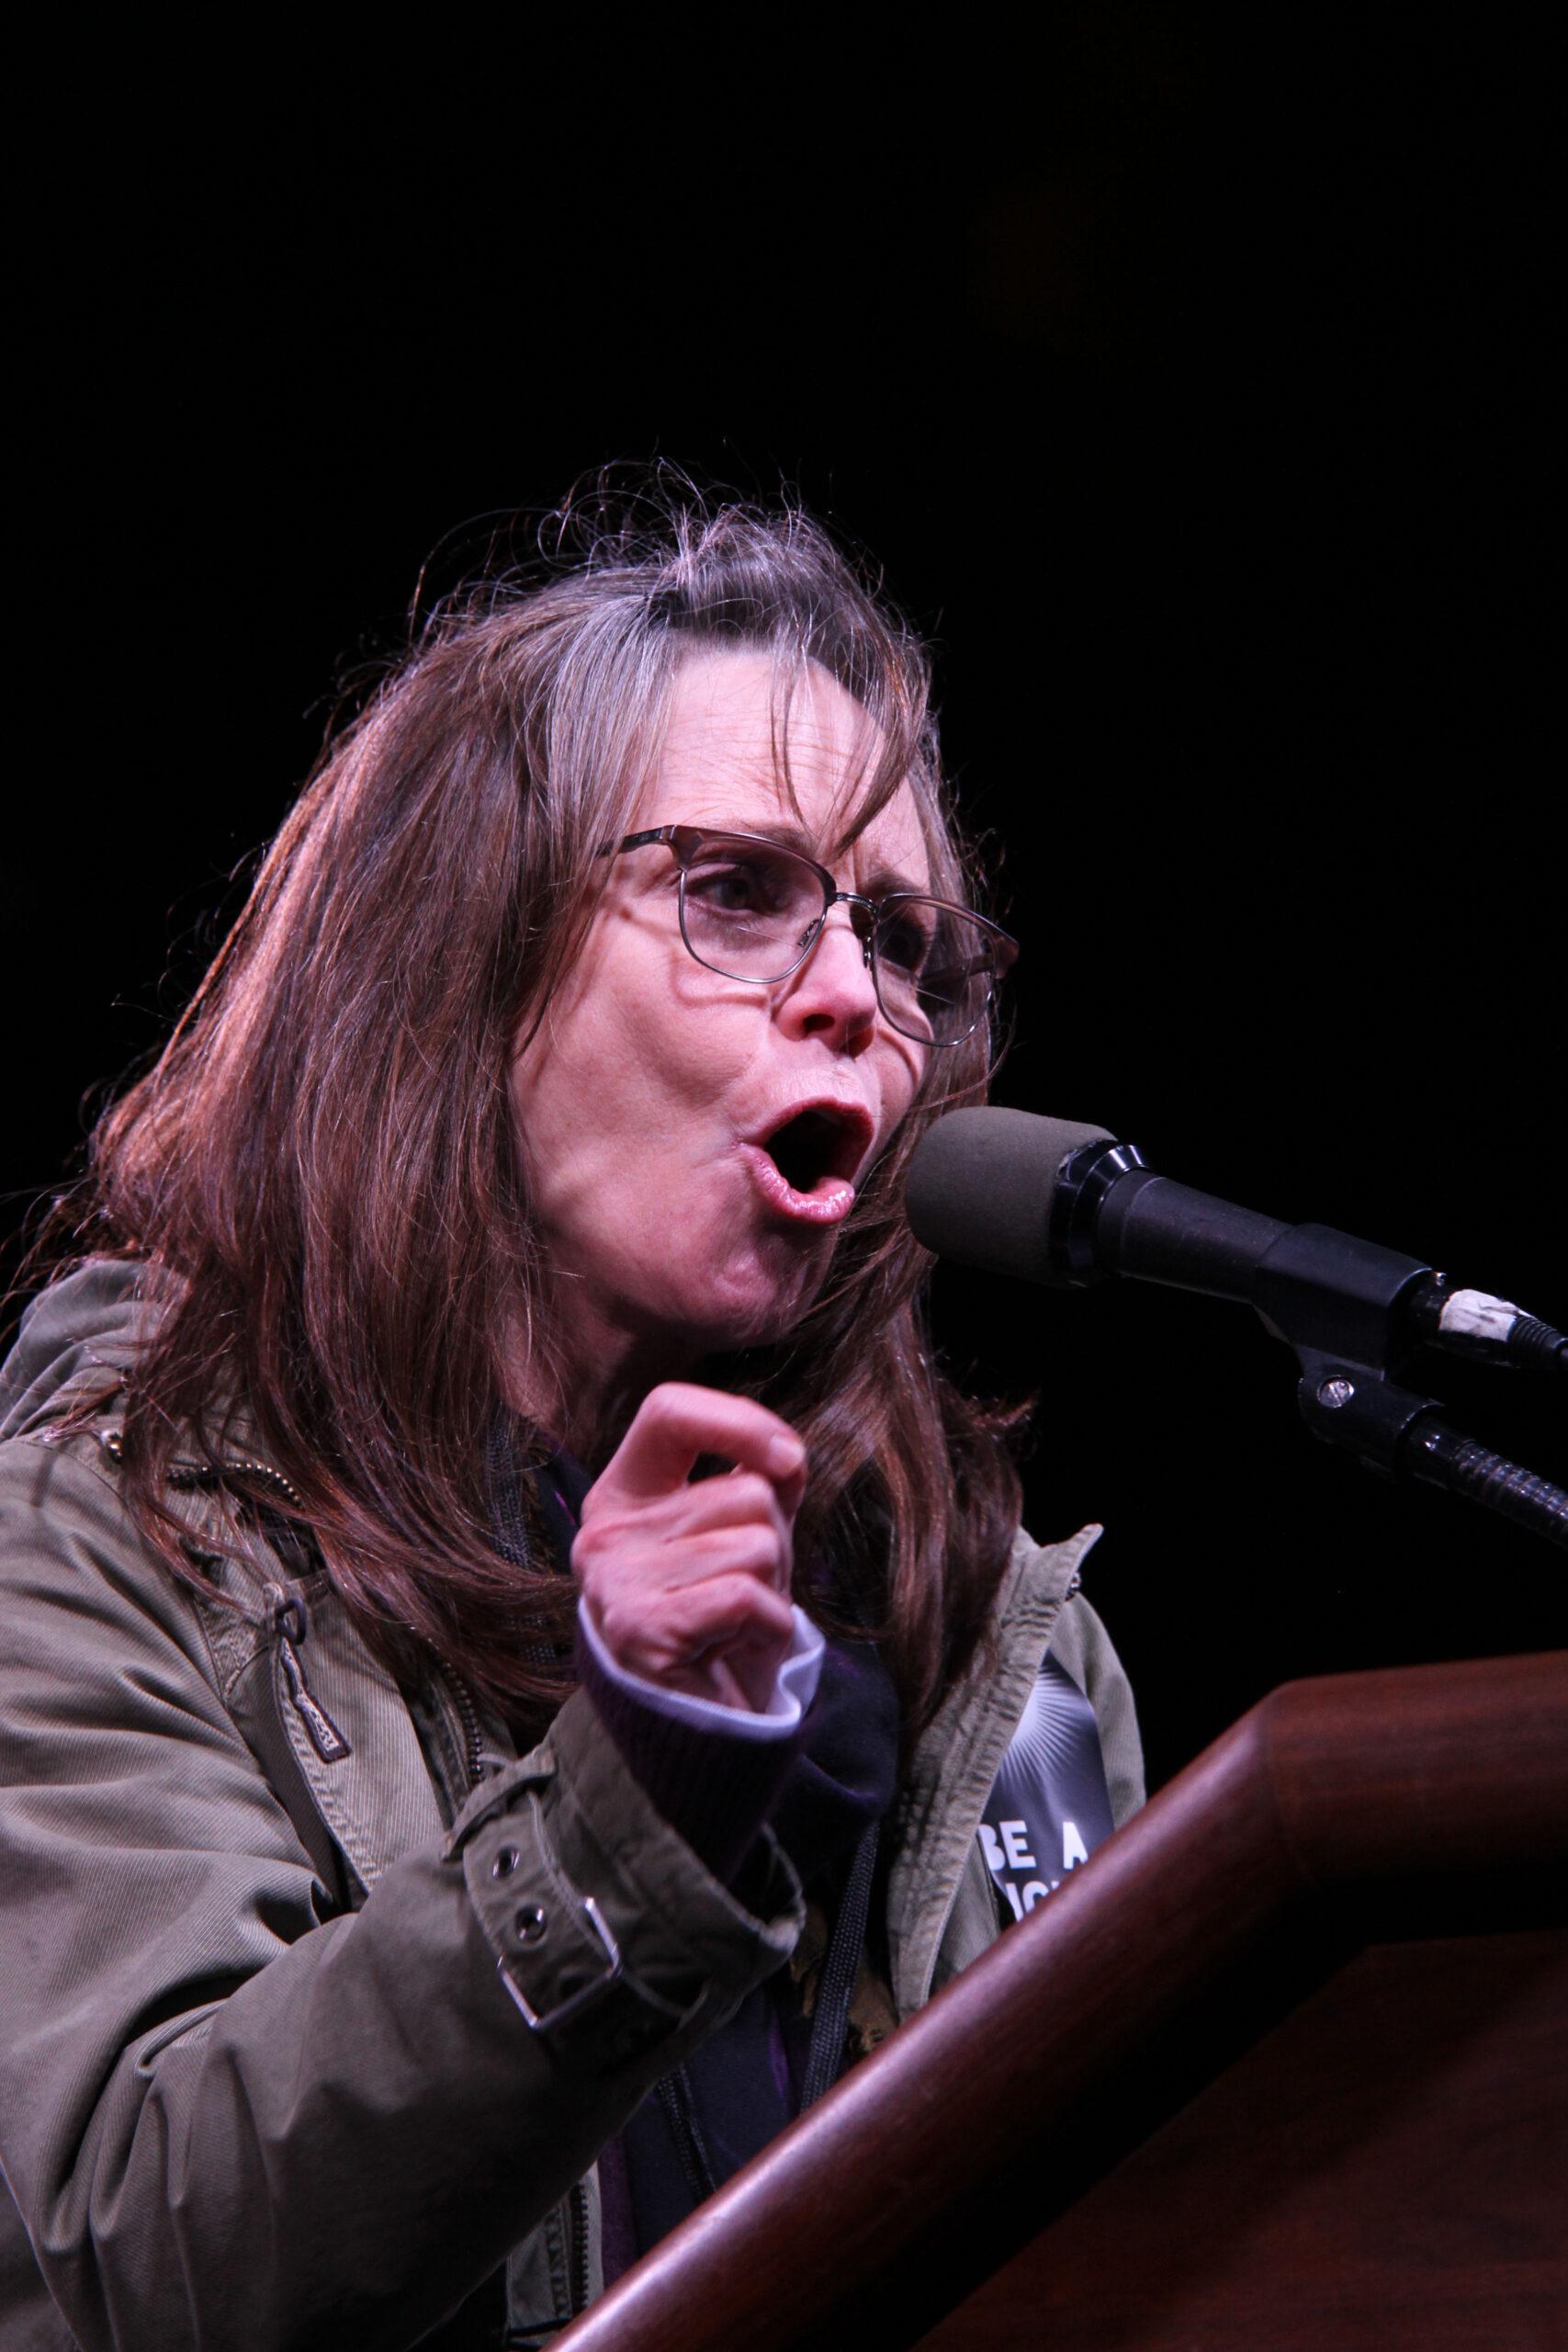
<point x="290" y="1626"/>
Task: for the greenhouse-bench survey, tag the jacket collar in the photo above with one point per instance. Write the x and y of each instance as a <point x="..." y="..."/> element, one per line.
<point x="957" y="1756"/>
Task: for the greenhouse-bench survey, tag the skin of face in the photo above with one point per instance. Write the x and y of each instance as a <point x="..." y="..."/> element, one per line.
<point x="639" y="1099"/>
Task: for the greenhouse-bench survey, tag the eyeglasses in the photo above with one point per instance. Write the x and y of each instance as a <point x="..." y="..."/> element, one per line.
<point x="751" y="909"/>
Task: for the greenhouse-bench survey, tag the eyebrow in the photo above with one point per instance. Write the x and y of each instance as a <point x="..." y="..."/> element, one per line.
<point x="885" y="881"/>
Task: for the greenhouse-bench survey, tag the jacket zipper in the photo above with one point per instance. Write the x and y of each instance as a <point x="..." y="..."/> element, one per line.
<point x="202" y="1474"/>
<point x="674" y="2092"/>
<point x="576" y="2224"/>
<point x="468" y="1717"/>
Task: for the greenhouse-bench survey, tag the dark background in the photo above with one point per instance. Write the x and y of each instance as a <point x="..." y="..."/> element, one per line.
<point x="1189" y="378"/>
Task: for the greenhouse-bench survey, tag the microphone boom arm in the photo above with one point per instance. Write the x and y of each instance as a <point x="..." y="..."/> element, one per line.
<point x="1391" y="1429"/>
<point x="1068" y="1204"/>
<point x="1350" y="1311"/>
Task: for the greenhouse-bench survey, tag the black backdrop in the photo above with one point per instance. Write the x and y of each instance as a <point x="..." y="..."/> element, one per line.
<point x="1204" y="420"/>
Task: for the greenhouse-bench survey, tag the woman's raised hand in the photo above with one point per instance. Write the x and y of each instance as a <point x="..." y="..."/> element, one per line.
<point x="689" y="1586"/>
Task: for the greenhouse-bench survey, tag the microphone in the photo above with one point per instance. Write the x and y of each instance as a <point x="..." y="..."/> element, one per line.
<point x="1054" y="1202"/>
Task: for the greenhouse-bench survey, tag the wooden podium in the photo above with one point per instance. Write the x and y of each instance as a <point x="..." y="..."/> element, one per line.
<point x="1287" y="2066"/>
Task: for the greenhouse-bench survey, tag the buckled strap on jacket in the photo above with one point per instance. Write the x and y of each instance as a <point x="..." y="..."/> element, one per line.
<point x="556" y="1951"/>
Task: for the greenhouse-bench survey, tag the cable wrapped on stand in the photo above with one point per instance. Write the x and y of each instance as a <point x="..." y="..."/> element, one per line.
<point x="1448" y="1459"/>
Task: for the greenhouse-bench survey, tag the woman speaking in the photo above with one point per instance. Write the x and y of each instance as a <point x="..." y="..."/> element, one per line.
<point x="509" y="1635"/>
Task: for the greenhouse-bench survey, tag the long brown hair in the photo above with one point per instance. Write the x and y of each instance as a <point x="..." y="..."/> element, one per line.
<point x="322" y="1174"/>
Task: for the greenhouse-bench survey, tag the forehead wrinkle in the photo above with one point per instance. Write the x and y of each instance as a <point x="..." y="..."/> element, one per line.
<point x="865" y="784"/>
<point x="722" y="747"/>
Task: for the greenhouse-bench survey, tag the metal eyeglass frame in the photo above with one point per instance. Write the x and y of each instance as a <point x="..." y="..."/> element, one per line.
<point x="686" y="842"/>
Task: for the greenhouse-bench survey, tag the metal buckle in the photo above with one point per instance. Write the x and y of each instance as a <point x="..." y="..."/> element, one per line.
<point x="594" y="1991"/>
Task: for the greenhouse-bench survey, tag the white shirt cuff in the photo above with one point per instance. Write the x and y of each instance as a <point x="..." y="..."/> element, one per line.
<point x="793" y="1692"/>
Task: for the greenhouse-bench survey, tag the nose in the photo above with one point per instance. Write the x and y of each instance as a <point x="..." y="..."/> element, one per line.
<point x="832" y="996"/>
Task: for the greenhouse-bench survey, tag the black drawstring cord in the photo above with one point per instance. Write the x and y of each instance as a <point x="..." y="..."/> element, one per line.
<point x="835" y="1990"/>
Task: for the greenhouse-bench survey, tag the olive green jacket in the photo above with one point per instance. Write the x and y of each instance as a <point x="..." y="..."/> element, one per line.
<point x="293" y="2052"/>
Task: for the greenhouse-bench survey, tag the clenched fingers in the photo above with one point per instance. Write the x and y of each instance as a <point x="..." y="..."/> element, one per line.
<point x="688" y="1586"/>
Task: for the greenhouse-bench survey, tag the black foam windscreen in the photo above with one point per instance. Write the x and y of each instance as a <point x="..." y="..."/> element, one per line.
<point x="980" y="1184"/>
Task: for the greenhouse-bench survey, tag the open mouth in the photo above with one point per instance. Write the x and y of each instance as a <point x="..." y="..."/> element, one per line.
<point x="821" y="1143"/>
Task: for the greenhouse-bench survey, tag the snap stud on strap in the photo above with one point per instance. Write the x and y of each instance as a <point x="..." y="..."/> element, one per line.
<point x="545" y="2021"/>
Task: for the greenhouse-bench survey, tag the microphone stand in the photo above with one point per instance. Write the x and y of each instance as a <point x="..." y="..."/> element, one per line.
<point x="1350" y="1310"/>
<point x="1063" y="1203"/>
<point x="1392" y="1428"/>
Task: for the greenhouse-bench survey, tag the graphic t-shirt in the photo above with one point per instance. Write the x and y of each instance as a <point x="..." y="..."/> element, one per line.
<point x="1049" y="1806"/>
